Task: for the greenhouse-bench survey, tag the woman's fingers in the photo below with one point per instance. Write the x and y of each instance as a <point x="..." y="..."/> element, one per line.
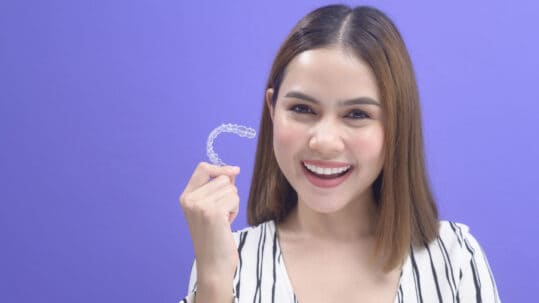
<point x="210" y="202"/>
<point x="200" y="188"/>
<point x="206" y="193"/>
<point x="228" y="200"/>
<point x="216" y="200"/>
<point x="205" y="171"/>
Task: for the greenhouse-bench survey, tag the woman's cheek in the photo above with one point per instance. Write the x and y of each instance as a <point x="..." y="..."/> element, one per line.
<point x="286" y="131"/>
<point x="370" y="144"/>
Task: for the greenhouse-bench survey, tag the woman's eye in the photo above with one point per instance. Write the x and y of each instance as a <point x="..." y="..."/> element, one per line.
<point x="302" y="109"/>
<point x="357" y="114"/>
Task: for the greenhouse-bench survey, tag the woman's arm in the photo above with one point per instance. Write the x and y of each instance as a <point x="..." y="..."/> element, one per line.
<point x="207" y="293"/>
<point x="210" y="204"/>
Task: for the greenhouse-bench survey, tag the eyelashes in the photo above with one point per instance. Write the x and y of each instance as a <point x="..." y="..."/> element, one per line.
<point x="301" y="109"/>
<point x="357" y="114"/>
<point x="354" y="114"/>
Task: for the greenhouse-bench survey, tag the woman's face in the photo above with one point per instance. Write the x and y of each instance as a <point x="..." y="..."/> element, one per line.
<point x="327" y="129"/>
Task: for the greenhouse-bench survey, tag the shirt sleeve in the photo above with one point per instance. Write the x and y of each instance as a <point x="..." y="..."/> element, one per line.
<point x="190" y="298"/>
<point x="191" y="291"/>
<point x="476" y="280"/>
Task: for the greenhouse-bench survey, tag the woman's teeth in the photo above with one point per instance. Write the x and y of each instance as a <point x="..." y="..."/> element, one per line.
<point x="326" y="171"/>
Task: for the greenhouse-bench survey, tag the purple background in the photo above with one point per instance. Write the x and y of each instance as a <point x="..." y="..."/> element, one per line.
<point x="106" y="106"/>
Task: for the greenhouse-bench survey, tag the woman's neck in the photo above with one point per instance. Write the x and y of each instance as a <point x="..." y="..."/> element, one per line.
<point x="352" y="223"/>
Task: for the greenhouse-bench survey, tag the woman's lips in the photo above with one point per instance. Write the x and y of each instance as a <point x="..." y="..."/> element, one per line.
<point x="326" y="164"/>
<point x="326" y="181"/>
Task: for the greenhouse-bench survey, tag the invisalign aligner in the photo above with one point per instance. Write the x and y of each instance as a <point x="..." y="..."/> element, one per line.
<point x="240" y="130"/>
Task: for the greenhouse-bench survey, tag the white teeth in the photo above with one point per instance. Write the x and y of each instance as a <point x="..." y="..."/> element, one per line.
<point x="326" y="171"/>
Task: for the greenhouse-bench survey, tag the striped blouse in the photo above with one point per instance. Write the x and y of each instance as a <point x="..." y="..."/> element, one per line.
<point x="452" y="268"/>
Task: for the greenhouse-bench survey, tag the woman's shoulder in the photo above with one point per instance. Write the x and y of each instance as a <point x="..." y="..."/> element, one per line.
<point x="454" y="234"/>
<point x="454" y="241"/>
<point x="457" y="262"/>
<point x="453" y="231"/>
<point x="261" y="232"/>
<point x="270" y="224"/>
<point x="452" y="226"/>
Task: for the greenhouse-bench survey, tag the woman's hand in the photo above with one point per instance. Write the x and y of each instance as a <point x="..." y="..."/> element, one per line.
<point x="210" y="203"/>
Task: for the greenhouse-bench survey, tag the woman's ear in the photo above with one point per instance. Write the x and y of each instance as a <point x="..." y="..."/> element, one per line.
<point x="269" y="103"/>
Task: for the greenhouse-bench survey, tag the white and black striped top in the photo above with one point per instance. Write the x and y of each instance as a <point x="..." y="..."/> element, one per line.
<point x="452" y="268"/>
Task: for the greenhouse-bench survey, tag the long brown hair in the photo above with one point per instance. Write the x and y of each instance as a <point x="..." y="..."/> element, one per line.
<point x="406" y="211"/>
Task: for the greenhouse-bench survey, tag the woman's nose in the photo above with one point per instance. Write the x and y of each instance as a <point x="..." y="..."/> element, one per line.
<point x="326" y="139"/>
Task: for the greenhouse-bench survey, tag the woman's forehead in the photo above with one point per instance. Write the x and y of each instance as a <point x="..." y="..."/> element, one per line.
<point x="330" y="73"/>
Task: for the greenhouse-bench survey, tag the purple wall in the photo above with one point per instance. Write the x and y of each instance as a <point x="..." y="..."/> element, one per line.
<point x="106" y="107"/>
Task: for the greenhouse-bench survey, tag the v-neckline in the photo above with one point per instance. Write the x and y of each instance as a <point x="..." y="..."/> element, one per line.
<point x="288" y="282"/>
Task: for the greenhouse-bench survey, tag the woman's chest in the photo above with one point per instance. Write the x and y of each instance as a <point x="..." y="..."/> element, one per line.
<point x="339" y="276"/>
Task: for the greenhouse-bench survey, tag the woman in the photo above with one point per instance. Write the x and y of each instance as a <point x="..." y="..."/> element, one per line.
<point x="340" y="205"/>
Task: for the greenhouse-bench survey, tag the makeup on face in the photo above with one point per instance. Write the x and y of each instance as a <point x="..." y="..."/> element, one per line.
<point x="327" y="129"/>
<point x="326" y="173"/>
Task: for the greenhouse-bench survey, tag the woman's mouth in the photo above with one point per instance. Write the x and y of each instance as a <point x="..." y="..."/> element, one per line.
<point x="325" y="173"/>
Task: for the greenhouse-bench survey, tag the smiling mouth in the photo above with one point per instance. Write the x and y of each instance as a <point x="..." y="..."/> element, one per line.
<point x="327" y="172"/>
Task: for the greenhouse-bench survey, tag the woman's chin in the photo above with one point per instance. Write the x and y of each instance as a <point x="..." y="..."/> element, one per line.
<point x="323" y="206"/>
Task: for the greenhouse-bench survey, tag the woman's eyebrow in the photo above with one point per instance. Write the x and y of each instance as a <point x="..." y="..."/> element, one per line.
<point x="355" y="101"/>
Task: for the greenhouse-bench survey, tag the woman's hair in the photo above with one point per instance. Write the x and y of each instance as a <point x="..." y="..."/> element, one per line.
<point x="406" y="211"/>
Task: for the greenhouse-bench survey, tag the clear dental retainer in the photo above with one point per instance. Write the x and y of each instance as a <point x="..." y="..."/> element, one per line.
<point x="240" y="130"/>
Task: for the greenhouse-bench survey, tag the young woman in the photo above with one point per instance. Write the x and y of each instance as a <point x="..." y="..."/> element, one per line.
<point x="340" y="205"/>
